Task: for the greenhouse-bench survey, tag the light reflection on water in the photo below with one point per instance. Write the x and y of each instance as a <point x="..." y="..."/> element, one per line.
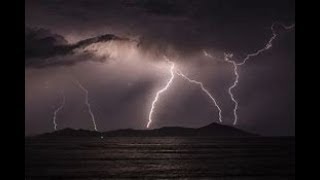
<point x="160" y="157"/>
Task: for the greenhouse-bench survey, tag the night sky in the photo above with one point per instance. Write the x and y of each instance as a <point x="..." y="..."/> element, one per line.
<point x="124" y="69"/>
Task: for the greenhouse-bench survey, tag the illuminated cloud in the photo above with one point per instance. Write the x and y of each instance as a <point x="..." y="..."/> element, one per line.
<point x="123" y="86"/>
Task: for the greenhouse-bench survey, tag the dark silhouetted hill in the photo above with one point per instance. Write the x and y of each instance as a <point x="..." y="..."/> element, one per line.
<point x="214" y="130"/>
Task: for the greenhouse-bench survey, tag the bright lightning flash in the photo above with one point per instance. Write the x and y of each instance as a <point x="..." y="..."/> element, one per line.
<point x="235" y="82"/>
<point x="227" y="58"/>
<point x="268" y="45"/>
<point x="160" y="92"/>
<point x="200" y="84"/>
<point x="88" y="104"/>
<point x="57" y="110"/>
<point x="179" y="73"/>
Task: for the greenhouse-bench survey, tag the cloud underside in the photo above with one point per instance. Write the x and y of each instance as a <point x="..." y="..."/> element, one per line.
<point x="43" y="48"/>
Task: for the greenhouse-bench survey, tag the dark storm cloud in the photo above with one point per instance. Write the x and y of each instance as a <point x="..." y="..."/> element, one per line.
<point x="180" y="29"/>
<point x="41" y="44"/>
<point x="186" y="25"/>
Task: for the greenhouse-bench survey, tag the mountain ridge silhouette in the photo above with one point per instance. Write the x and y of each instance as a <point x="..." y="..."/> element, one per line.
<point x="213" y="129"/>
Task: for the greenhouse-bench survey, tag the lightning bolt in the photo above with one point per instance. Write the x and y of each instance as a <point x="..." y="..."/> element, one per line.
<point x="235" y="82"/>
<point x="57" y="110"/>
<point x="160" y="92"/>
<point x="88" y="104"/>
<point x="268" y="45"/>
<point x="227" y="58"/>
<point x="173" y="71"/>
<point x="200" y="84"/>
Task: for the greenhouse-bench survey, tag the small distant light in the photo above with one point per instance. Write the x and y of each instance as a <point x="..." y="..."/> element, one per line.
<point x="101" y="137"/>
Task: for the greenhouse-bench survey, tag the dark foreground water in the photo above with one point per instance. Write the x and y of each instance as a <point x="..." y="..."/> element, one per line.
<point x="160" y="158"/>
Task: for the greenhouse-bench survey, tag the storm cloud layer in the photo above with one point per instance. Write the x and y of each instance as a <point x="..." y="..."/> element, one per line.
<point x="41" y="44"/>
<point x="116" y="48"/>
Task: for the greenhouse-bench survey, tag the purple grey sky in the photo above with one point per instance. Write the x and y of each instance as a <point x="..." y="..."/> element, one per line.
<point x="123" y="76"/>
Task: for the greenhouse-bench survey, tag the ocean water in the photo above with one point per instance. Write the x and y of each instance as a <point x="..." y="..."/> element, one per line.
<point x="160" y="158"/>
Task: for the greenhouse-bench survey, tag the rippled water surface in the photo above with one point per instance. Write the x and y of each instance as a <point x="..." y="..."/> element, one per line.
<point x="160" y="158"/>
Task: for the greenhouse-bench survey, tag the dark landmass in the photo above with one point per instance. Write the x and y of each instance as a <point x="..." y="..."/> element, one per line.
<point x="211" y="130"/>
<point x="211" y="152"/>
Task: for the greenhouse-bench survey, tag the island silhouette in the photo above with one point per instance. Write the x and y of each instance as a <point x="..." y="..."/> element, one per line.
<point x="211" y="130"/>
